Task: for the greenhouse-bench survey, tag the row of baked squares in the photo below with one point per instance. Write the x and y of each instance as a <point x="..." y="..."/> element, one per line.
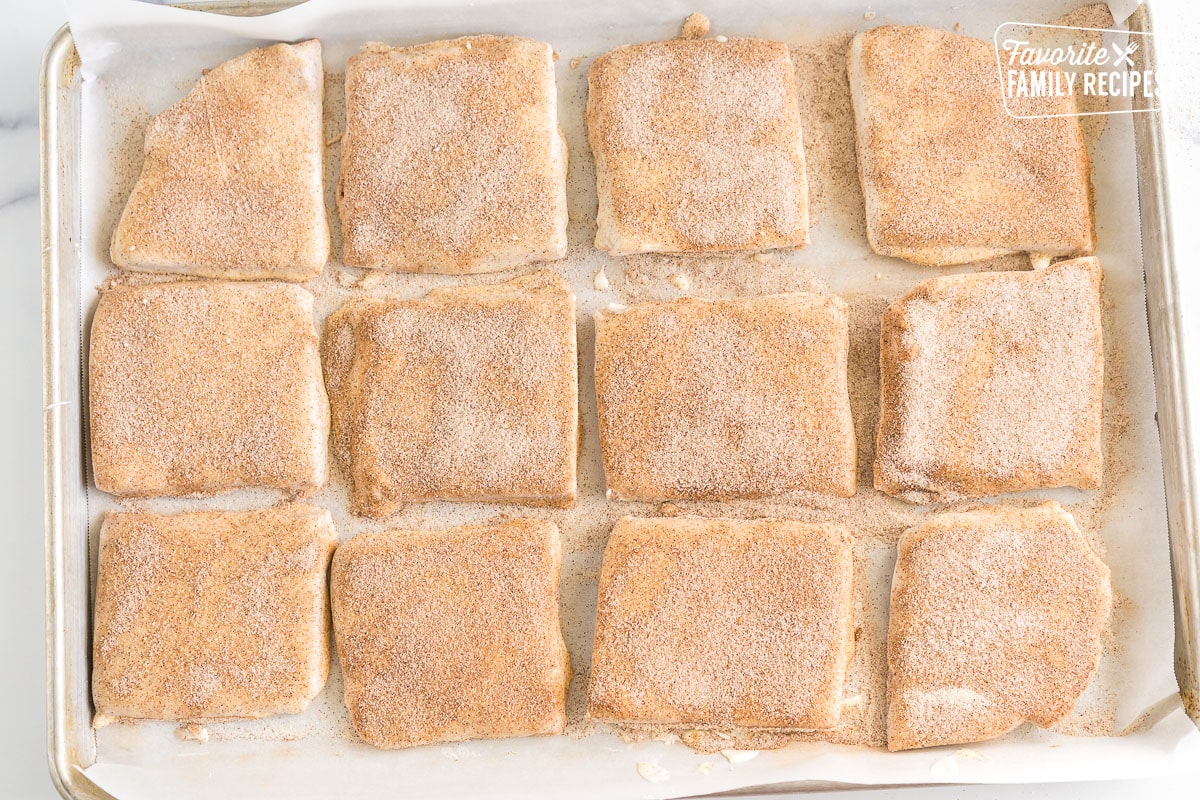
<point x="990" y="383"/>
<point x="452" y="159"/>
<point x="996" y="618"/>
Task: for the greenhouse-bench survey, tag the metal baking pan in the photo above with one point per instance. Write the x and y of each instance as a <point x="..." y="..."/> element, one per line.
<point x="1177" y="429"/>
<point x="72" y="745"/>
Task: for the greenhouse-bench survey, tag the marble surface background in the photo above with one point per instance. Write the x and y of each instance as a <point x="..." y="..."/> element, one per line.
<point x="25" y="27"/>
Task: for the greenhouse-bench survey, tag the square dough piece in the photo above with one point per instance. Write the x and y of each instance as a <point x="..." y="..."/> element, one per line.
<point x="202" y="387"/>
<point x="452" y="159"/>
<point x="992" y="382"/>
<point x="469" y="393"/>
<point x="948" y="176"/>
<point x="698" y="147"/>
<point x="211" y="615"/>
<point x="232" y="185"/>
<point x="997" y="618"/>
<point x="724" y="399"/>
<point x="450" y="635"/>
<point x="720" y="623"/>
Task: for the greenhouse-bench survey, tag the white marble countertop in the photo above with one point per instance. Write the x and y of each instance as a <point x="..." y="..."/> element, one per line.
<point x="25" y="27"/>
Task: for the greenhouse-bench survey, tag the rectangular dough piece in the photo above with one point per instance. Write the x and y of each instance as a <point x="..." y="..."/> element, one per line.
<point x="202" y="387"/>
<point x="211" y="615"/>
<point x="992" y="382"/>
<point x="232" y="185"/>
<point x="452" y="160"/>
<point x="469" y="393"/>
<point x="450" y="635"/>
<point x="948" y="175"/>
<point x="721" y="624"/>
<point x="725" y="399"/>
<point x="997" y="618"/>
<point x="698" y="147"/>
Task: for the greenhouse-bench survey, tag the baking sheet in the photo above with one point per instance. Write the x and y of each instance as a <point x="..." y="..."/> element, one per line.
<point x="315" y="754"/>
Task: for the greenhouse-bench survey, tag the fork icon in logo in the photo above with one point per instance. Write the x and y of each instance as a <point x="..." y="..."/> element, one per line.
<point x="1123" y="54"/>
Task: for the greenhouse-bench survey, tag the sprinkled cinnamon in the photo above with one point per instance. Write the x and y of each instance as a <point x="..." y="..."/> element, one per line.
<point x="993" y="382"/>
<point x="211" y="615"/>
<point x="949" y="176"/>
<point x="723" y="399"/>
<point x="451" y="635"/>
<point x="467" y="394"/>
<point x="996" y="618"/>
<point x="203" y="387"/>
<point x="698" y="147"/>
<point x="717" y="623"/>
<point x="452" y="160"/>
<point x="232" y="183"/>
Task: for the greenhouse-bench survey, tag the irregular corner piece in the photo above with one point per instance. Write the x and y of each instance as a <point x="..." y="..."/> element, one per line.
<point x="992" y="382"/>
<point x="233" y="180"/>
<point x="725" y="399"/>
<point x="698" y="147"/>
<point x="211" y="615"/>
<point x="722" y="624"/>
<point x="997" y="618"/>
<point x="452" y="159"/>
<point x="450" y="635"/>
<point x="469" y="393"/>
<point x="202" y="387"/>
<point x="948" y="175"/>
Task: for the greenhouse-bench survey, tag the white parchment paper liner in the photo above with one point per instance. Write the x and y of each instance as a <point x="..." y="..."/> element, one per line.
<point x="138" y="58"/>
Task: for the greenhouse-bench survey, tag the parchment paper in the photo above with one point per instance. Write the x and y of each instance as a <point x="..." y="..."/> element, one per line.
<point x="139" y="58"/>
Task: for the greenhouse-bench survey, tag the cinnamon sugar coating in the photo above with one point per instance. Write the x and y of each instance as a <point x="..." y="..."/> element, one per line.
<point x="469" y="393"/>
<point x="698" y="147"/>
<point x="992" y="382"/>
<point x="202" y="387"/>
<point x="211" y="615"/>
<point x="723" y="399"/>
<point x="452" y="160"/>
<point x="721" y="624"/>
<point x="232" y="184"/>
<point x="996" y="619"/>
<point x="948" y="175"/>
<point x="450" y="635"/>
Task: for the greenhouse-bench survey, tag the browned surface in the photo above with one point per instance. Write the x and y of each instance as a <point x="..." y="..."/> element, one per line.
<point x="211" y="615"/>
<point x="723" y="623"/>
<point x="203" y="387"/>
<point x="452" y="159"/>
<point x="466" y="394"/>
<point x="451" y="635"/>
<point x="698" y="147"/>
<point x="231" y="185"/>
<point x="991" y="383"/>
<point x="948" y="176"/>
<point x="996" y="619"/>
<point x="725" y="399"/>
